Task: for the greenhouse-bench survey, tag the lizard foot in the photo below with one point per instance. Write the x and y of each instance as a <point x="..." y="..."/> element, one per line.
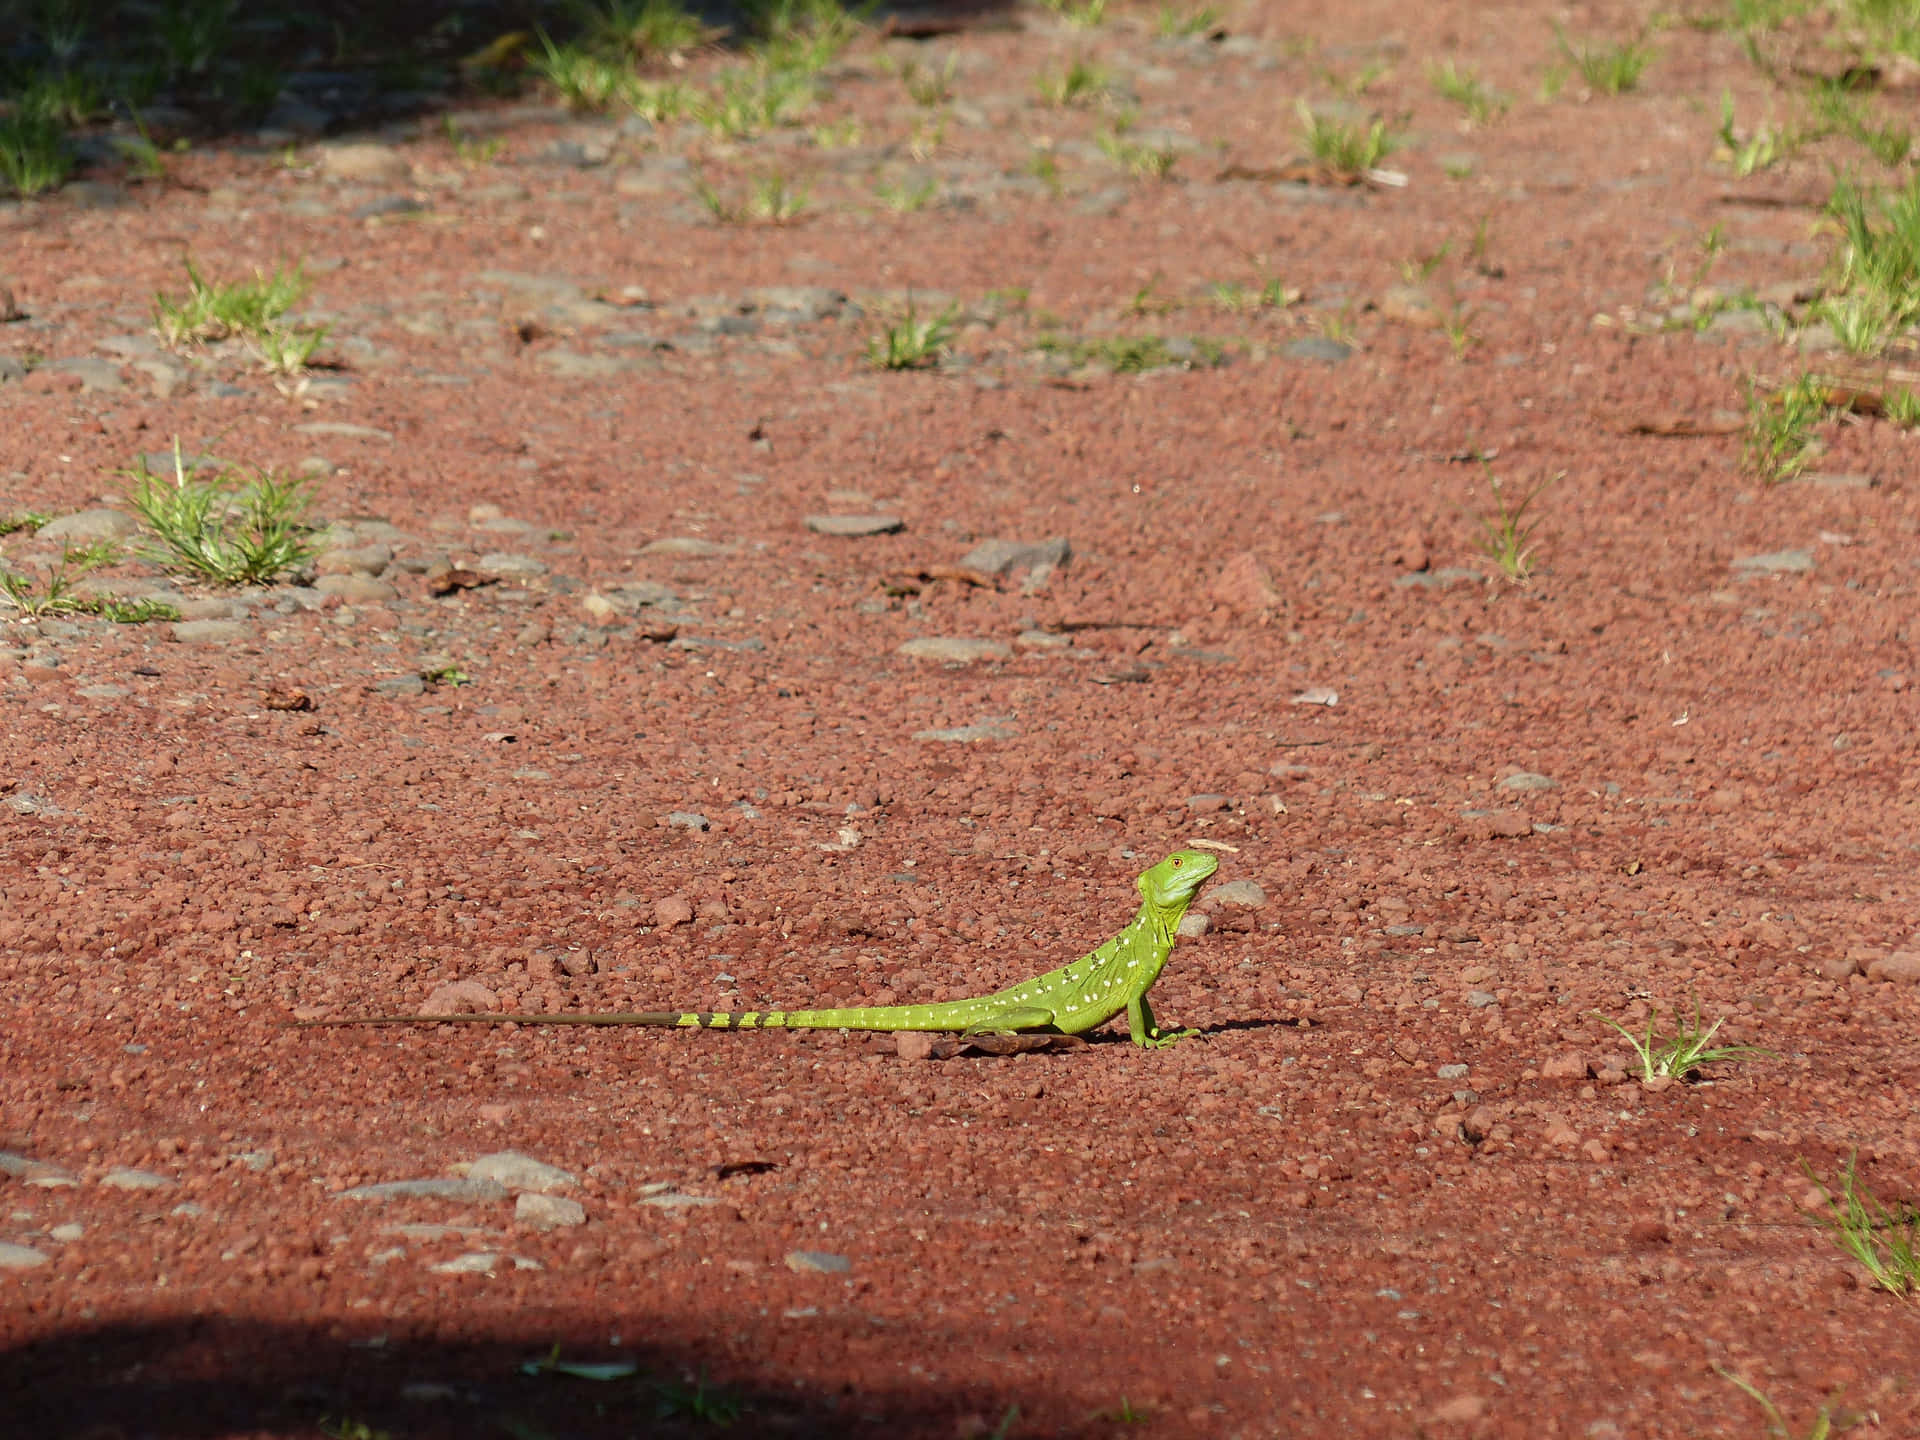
<point x="1161" y="1038"/>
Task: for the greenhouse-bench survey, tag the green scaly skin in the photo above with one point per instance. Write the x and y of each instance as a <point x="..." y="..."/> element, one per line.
<point x="1069" y="1001"/>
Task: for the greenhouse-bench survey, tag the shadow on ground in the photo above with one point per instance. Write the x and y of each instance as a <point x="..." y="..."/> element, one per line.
<point x="196" y="1377"/>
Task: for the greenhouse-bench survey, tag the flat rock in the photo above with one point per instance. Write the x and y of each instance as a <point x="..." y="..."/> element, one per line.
<point x="210" y="632"/>
<point x="955" y="649"/>
<point x="121" y="1178"/>
<point x="688" y="546"/>
<point x="1902" y="967"/>
<point x="521" y="1172"/>
<point x="460" y="997"/>
<point x="20" y="1257"/>
<point x="355" y="589"/>
<point x="98" y="524"/>
<point x="1238" y="895"/>
<point x="465" y="1190"/>
<point x="674" y="1200"/>
<point x="93" y="373"/>
<point x="853" y="526"/>
<point x="967" y="734"/>
<point x="343" y="429"/>
<point x="29" y="1171"/>
<point x="1038" y="558"/>
<point x="366" y="161"/>
<point x="1527" y="780"/>
<point x="817" y="1262"/>
<point x="507" y="563"/>
<point x="1246" y="584"/>
<point x="1316" y="347"/>
<point x="1775" y="562"/>
<point x="548" y="1212"/>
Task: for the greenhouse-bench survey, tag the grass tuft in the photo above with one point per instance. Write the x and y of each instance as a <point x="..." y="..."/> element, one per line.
<point x="1779" y="441"/>
<point x="1885" y="1239"/>
<point x="1676" y="1056"/>
<point x="1078" y="82"/>
<point x="1347" y="152"/>
<point x="227" y="530"/>
<point x="1608" y="68"/>
<point x="1506" y="533"/>
<point x="1483" y="104"/>
<point x="917" y="342"/>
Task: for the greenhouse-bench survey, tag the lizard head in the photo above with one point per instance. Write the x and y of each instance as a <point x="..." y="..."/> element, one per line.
<point x="1174" y="879"/>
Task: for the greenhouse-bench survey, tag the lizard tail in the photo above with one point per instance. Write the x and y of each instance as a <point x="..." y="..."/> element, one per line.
<point x="686" y="1019"/>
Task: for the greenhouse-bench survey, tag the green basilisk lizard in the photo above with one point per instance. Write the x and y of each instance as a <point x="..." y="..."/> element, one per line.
<point x="1068" y="1001"/>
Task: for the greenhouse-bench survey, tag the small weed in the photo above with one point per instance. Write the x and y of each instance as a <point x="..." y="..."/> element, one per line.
<point x="1076" y="83"/>
<point x="928" y="136"/>
<point x="1136" y="157"/>
<point x="1506" y="534"/>
<point x="1237" y="299"/>
<point x="137" y="611"/>
<point x="1676" y="1056"/>
<point x="471" y="153"/>
<point x="193" y="33"/>
<point x="916" y="343"/>
<point x="1479" y="249"/>
<point x="225" y="530"/>
<point x="33" y="152"/>
<point x="842" y="134"/>
<point x="928" y="87"/>
<point x="695" y="1401"/>
<point x="1004" y="1429"/>
<point x="1346" y="151"/>
<point x="1361" y="81"/>
<point x="1422" y="267"/>
<point x="347" y="1428"/>
<point x="1173" y="23"/>
<point x="1045" y="167"/>
<point x="802" y="36"/>
<point x="1454" y="326"/>
<point x="287" y="352"/>
<point x="1765" y="147"/>
<point x="23" y="520"/>
<point x="213" y="311"/>
<point x="1483" y="104"/>
<point x="1861" y="322"/>
<point x="1824" y="1423"/>
<point x="1148" y="300"/>
<point x="1779" y="441"/>
<point x="1457" y="169"/>
<point x="774" y="200"/>
<point x="1880" y="259"/>
<point x="1902" y="408"/>
<point x="644" y="29"/>
<point x="58" y="598"/>
<point x="1840" y="111"/>
<point x="1552" y="81"/>
<point x="904" y="198"/>
<point x="1082" y="16"/>
<point x="659" y="102"/>
<point x="747" y="101"/>
<point x="1886" y="1240"/>
<point x="1339" y="328"/>
<point x="451" y="676"/>
<point x="584" y="80"/>
<point x="1608" y="69"/>
<point x="1124" y="1414"/>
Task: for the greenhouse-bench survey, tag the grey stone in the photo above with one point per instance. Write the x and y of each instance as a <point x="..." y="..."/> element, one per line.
<point x="967" y="734"/>
<point x="673" y="1200"/>
<point x="355" y="560"/>
<point x="165" y="377"/>
<point x="817" y="1262"/>
<point x="103" y="692"/>
<point x="95" y="194"/>
<point x="573" y="365"/>
<point x="210" y="632"/>
<point x="521" y="1172"/>
<point x="1775" y="562"/>
<point x="68" y="1233"/>
<point x="1238" y="895"/>
<point x="502" y="563"/>
<point x="1451" y="1072"/>
<point x="100" y="524"/>
<point x="471" y="1190"/>
<point x="1193" y="925"/>
<point x="127" y="347"/>
<point x="20" y="1257"/>
<point x="1038" y="558"/>
<point x="208" y="608"/>
<point x="474" y="1262"/>
<point x="548" y="1212"/>
<point x="849" y="526"/>
<point x="366" y="161"/>
<point x="687" y="546"/>
<point x="955" y="649"/>
<point x="29" y="1171"/>
<point x="343" y="429"/>
<point x="356" y="589"/>
<point x="1481" y="999"/>
<point x="398" y="685"/>
<point x="687" y="820"/>
<point x="1832" y="480"/>
<point x="1528" y="780"/>
<point x="389" y="205"/>
<point x="122" y="1178"/>
<point x="1316" y="347"/>
<point x="11" y="369"/>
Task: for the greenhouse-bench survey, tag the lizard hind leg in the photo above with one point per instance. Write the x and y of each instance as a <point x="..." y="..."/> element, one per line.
<point x="1011" y="1020"/>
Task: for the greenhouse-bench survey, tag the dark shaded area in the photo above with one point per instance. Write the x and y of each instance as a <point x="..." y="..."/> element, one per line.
<point x="210" y="69"/>
<point x="209" y="1376"/>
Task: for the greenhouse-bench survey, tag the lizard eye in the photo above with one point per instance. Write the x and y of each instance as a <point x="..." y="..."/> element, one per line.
<point x="1176" y="862"/>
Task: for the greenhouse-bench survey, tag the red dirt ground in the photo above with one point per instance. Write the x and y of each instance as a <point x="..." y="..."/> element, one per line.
<point x="1651" y="777"/>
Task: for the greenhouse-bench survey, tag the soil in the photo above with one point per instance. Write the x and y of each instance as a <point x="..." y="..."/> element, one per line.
<point x="592" y="703"/>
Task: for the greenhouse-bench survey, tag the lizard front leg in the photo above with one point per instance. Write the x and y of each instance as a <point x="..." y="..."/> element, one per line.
<point x="1140" y="1024"/>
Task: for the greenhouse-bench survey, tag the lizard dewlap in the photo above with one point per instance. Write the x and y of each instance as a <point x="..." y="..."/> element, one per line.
<point x="1069" y="1001"/>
